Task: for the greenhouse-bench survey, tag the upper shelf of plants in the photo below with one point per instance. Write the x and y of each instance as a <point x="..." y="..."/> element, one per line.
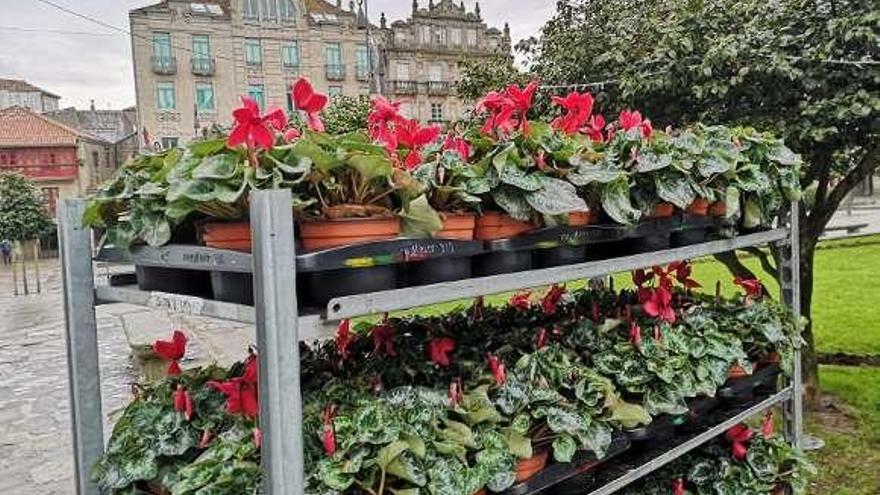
<point x="399" y="204"/>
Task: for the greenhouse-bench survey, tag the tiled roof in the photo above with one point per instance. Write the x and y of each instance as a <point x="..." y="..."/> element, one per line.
<point x="322" y="7"/>
<point x="19" y="128"/>
<point x="195" y="6"/>
<point x="22" y="86"/>
<point x="111" y="126"/>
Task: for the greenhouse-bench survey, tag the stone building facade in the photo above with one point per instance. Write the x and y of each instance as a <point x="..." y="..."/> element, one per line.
<point x="192" y="59"/>
<point x="421" y="57"/>
<point x="64" y="162"/>
<point x="116" y="130"/>
<point x="16" y="92"/>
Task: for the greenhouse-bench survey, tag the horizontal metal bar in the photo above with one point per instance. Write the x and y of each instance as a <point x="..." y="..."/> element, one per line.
<point x="311" y="327"/>
<point x="392" y="300"/>
<point x="680" y="450"/>
<point x="193" y="258"/>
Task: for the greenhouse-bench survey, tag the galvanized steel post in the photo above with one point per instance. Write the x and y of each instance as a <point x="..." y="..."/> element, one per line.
<point x="790" y="284"/>
<point x="84" y="376"/>
<point x="277" y="342"/>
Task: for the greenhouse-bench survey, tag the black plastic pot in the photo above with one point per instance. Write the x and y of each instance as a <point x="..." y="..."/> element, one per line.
<point x="688" y="237"/>
<point x="661" y="429"/>
<point x="436" y="271"/>
<point x="563" y="255"/>
<point x="502" y="262"/>
<point x="763" y="381"/>
<point x="233" y="287"/>
<point x="699" y="413"/>
<point x="320" y="287"/>
<point x="173" y="280"/>
<point x="570" y="474"/>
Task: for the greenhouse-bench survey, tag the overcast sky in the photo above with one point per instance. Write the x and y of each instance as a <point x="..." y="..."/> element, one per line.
<point x="81" y="61"/>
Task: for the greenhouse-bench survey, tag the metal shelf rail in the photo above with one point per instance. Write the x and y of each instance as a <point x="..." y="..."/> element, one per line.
<point x="280" y="326"/>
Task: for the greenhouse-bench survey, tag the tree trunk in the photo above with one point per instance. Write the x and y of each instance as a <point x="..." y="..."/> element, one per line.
<point x="810" y="365"/>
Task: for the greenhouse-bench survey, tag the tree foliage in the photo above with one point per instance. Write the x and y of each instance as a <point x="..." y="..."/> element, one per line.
<point x="806" y="69"/>
<point x="479" y="76"/>
<point x="22" y="209"/>
<point x="346" y="114"/>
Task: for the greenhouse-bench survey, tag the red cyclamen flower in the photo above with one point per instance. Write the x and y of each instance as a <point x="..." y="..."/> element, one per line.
<point x="255" y="130"/>
<point x="242" y="392"/>
<point x="635" y="334"/>
<point x="753" y="287"/>
<point x="678" y="487"/>
<point x="659" y="304"/>
<point x="595" y="128"/>
<point x="414" y="137"/>
<point x="578" y="107"/>
<point x="551" y="300"/>
<point x="172" y="351"/>
<point x="633" y="120"/>
<point x="739" y="435"/>
<point x="183" y="402"/>
<point x="541" y="338"/>
<point x="683" y="271"/>
<point x="305" y="98"/>
<point x="328" y="439"/>
<point x="344" y="338"/>
<point x="457" y="144"/>
<point x="383" y="339"/>
<point x="520" y="300"/>
<point x="497" y="369"/>
<point x="439" y="350"/>
<point x="767" y="425"/>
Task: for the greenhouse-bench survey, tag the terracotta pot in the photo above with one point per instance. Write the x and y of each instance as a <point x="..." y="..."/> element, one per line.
<point x="579" y="218"/>
<point x="663" y="210"/>
<point x="700" y="207"/>
<point x="227" y="235"/>
<point x="718" y="209"/>
<point x="736" y="371"/>
<point x="495" y="225"/>
<point x="772" y="358"/>
<point x="458" y="226"/>
<point x="326" y="234"/>
<point x="779" y="490"/>
<point x="527" y="468"/>
<point x="481" y="492"/>
<point x="155" y="488"/>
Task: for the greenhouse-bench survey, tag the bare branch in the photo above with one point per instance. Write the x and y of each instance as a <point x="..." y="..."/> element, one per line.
<point x="869" y="162"/>
<point x="764" y="259"/>
<point x="733" y="263"/>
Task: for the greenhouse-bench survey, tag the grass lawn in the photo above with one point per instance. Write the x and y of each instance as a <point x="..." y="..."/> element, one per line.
<point x="850" y="462"/>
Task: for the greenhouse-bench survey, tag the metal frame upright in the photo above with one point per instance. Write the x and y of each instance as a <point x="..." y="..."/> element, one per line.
<point x="280" y="327"/>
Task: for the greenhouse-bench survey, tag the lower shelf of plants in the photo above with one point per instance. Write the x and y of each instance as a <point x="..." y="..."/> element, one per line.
<point x="543" y="392"/>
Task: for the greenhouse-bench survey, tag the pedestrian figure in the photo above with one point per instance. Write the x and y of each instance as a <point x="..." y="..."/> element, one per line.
<point x="6" y="250"/>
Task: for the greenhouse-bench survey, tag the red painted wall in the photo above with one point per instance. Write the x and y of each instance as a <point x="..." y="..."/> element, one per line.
<point x="54" y="163"/>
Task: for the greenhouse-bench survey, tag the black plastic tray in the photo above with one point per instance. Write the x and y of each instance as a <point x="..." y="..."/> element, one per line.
<point x="661" y="428"/>
<point x="557" y="473"/>
<point x="762" y="381"/>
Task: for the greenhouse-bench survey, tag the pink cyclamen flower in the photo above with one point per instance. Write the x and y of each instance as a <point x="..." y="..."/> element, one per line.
<point x="254" y="130"/>
<point x="497" y="369"/>
<point x="457" y="144"/>
<point x="439" y="350"/>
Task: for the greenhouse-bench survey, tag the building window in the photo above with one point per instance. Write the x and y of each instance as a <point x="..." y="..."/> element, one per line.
<point x="268" y="10"/>
<point x="162" y="46"/>
<point x="364" y="91"/>
<point x="440" y="35"/>
<point x="201" y="47"/>
<point x="165" y="98"/>
<point x="436" y="112"/>
<point x="253" y="52"/>
<point x="455" y="34"/>
<point x="403" y="71"/>
<point x="435" y="72"/>
<point x="334" y="91"/>
<point x="290" y="54"/>
<point x="471" y="37"/>
<point x="256" y="92"/>
<point x="400" y="36"/>
<point x="205" y="97"/>
<point x="335" y="69"/>
<point x="363" y="62"/>
<point x="169" y="143"/>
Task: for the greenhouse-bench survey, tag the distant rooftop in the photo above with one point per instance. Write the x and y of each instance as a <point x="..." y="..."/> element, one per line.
<point x="22" y="86"/>
<point x="111" y="126"/>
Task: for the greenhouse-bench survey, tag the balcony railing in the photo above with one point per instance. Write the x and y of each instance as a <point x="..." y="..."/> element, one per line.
<point x="335" y="72"/>
<point x="362" y="73"/>
<point x="404" y="87"/>
<point x="165" y="65"/>
<point x="203" y="66"/>
<point x="439" y="88"/>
